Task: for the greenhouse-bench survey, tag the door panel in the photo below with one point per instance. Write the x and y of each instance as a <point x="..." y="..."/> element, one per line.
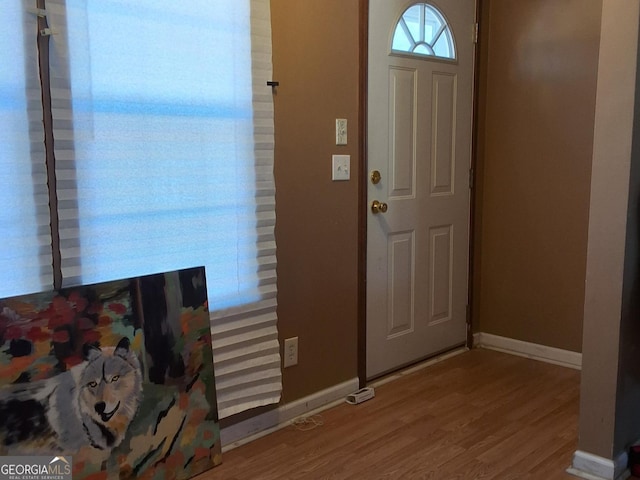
<point x="401" y="285"/>
<point x="402" y="111"/>
<point x="441" y="274"/>
<point x="443" y="134"/>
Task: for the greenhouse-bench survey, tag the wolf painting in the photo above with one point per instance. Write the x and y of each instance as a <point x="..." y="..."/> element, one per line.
<point x="92" y="403"/>
<point x="119" y="376"/>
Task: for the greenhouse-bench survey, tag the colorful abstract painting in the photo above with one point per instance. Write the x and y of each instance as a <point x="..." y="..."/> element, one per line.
<point x="117" y="375"/>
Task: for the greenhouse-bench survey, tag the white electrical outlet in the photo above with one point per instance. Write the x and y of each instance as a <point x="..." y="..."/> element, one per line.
<point x="290" y="352"/>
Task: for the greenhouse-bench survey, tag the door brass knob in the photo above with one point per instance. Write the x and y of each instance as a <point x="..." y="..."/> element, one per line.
<point x="379" y="207"/>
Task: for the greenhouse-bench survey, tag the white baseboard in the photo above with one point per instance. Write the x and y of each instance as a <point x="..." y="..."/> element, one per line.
<point x="592" y="467"/>
<point x="263" y="424"/>
<point x="534" y="351"/>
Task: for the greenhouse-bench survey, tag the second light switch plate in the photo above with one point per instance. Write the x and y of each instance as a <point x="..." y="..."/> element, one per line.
<point x="340" y="167"/>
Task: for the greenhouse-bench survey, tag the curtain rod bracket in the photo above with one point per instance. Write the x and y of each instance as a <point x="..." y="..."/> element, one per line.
<point x="273" y="84"/>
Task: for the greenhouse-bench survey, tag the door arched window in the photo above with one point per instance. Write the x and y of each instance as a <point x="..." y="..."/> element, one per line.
<point x="422" y="30"/>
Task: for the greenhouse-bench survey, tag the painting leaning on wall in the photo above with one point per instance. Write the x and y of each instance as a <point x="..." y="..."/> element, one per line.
<point x="116" y="375"/>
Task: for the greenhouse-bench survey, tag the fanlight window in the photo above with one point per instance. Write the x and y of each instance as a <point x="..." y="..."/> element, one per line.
<point x="422" y="30"/>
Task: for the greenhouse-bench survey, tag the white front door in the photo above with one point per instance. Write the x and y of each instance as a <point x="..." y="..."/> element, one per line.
<point x="419" y="140"/>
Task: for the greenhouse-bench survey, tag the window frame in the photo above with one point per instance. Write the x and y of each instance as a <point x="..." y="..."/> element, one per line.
<point x="420" y="56"/>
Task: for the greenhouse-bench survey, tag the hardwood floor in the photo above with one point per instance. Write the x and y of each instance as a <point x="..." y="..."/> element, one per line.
<point x="477" y="415"/>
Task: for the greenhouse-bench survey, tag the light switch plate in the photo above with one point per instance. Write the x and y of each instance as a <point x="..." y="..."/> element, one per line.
<point x="341" y="167"/>
<point x="341" y="131"/>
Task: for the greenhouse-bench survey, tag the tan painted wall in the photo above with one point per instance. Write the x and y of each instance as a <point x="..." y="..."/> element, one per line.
<point x="538" y="82"/>
<point x="315" y="59"/>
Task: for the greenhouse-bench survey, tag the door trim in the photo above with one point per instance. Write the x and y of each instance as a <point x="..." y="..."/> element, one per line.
<point x="362" y="192"/>
<point x="476" y="177"/>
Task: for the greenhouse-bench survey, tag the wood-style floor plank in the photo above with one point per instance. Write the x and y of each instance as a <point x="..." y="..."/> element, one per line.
<point x="478" y="415"/>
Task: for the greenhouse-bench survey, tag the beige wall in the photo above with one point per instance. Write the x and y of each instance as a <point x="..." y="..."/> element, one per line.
<point x="315" y="59"/>
<point x="538" y="69"/>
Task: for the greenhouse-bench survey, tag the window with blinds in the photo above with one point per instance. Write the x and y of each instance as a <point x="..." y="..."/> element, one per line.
<point x="163" y="128"/>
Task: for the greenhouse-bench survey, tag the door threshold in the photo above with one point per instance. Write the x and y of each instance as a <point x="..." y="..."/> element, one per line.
<point x="395" y="375"/>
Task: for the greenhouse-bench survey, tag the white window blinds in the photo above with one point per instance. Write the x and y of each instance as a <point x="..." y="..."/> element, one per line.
<point x="163" y="128"/>
<point x="25" y="248"/>
<point x="245" y="337"/>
